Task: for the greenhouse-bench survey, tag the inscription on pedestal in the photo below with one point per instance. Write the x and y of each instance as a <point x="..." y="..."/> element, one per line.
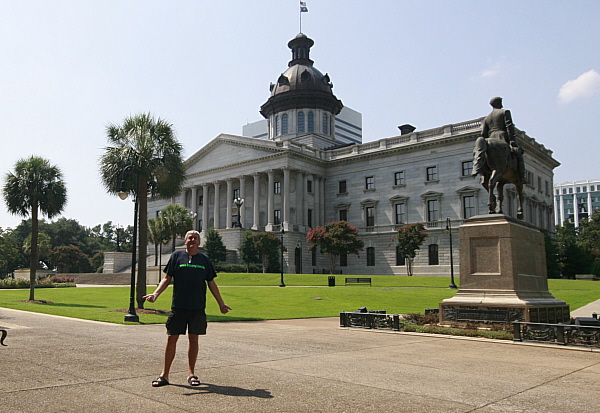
<point x="483" y="314"/>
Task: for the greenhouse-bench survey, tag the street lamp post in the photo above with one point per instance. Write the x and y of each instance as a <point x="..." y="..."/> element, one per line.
<point x="131" y="315"/>
<point x="282" y="284"/>
<point x="449" y="229"/>
<point x="238" y="202"/>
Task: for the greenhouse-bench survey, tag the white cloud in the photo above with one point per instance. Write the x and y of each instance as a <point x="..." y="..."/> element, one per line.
<point x="586" y="85"/>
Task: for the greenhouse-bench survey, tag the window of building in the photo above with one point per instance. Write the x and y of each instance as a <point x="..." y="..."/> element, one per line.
<point x="284" y="124"/>
<point x="325" y="124"/>
<point x="343" y="215"/>
<point x="370" y="256"/>
<point x="313" y="257"/>
<point x="277" y="187"/>
<point x="432" y="173"/>
<point x="468" y="206"/>
<point x="369" y="183"/>
<point x="370" y="215"/>
<point x="200" y="225"/>
<point x="236" y="193"/>
<point x="578" y="189"/>
<point x="277" y="217"/>
<point x="309" y="217"/>
<point x="342" y="188"/>
<point x="400" y="213"/>
<point x="433" y="210"/>
<point x="311" y="121"/>
<point x="547" y="188"/>
<point x="570" y="190"/>
<point x="309" y="186"/>
<point x="343" y="260"/>
<point x="301" y="122"/>
<point x="434" y="254"/>
<point x="277" y="126"/>
<point x="200" y="200"/>
<point x="399" y="178"/>
<point x="400" y="258"/>
<point x="467" y="168"/>
<point x="539" y="188"/>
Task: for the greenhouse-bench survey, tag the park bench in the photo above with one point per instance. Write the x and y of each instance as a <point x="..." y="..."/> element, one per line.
<point x="358" y="280"/>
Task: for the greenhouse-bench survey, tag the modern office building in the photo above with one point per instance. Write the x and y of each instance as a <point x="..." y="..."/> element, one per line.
<point x="576" y="200"/>
<point x="304" y="168"/>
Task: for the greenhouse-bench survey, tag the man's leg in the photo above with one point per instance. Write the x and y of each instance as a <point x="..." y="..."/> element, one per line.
<point x="192" y="353"/>
<point x="170" y="351"/>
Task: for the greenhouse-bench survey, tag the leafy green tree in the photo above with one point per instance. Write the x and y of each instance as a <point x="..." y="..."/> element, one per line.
<point x="214" y="247"/>
<point x="10" y="258"/>
<point x="335" y="239"/>
<point x="176" y="221"/>
<point x="43" y="246"/>
<point x="552" y="265"/>
<point x="410" y="238"/>
<point x="268" y="246"/>
<point x="588" y="235"/>
<point x="69" y="258"/>
<point x="248" y="252"/>
<point x="35" y="187"/>
<point x="574" y="258"/>
<point x="145" y="156"/>
<point x="157" y="235"/>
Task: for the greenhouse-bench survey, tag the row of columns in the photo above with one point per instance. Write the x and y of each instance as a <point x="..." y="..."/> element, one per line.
<point x="560" y="216"/>
<point x="301" y="204"/>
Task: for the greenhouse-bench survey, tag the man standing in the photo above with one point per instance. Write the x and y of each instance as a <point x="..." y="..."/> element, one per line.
<point x="191" y="271"/>
<point x="497" y="125"/>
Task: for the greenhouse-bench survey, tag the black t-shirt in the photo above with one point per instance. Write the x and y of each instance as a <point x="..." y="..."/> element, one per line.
<point x="190" y="274"/>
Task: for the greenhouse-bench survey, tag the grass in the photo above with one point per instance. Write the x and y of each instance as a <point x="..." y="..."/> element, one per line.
<point x="258" y="297"/>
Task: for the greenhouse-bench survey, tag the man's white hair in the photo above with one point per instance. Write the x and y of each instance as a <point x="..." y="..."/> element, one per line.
<point x="196" y="233"/>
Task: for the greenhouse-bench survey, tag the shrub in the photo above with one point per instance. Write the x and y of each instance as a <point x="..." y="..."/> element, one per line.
<point x="238" y="268"/>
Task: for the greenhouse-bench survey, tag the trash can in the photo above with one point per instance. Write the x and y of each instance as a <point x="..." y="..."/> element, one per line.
<point x="331" y="280"/>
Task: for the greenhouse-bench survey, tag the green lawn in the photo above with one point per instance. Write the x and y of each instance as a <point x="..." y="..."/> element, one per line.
<point x="258" y="297"/>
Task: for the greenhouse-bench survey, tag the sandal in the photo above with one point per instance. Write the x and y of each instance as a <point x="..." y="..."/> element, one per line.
<point x="194" y="381"/>
<point x="159" y="382"/>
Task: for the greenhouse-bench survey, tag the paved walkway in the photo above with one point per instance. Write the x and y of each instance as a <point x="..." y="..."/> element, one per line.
<point x="56" y="364"/>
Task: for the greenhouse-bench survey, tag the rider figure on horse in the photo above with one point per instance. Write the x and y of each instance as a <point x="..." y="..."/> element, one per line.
<point x="498" y="124"/>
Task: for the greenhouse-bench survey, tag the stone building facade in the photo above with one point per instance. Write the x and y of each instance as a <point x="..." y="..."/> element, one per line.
<point x="299" y="176"/>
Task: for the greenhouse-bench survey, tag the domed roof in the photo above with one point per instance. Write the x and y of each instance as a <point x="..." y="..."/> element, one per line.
<point x="302" y="85"/>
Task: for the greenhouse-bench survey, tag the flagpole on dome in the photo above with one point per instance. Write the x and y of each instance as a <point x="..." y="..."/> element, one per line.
<point x="303" y="9"/>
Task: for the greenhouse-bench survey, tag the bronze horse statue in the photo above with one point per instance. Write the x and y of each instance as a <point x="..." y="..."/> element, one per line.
<point x="499" y="167"/>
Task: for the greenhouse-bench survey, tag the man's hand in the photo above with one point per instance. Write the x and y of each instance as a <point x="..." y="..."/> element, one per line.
<point x="151" y="297"/>
<point x="224" y="308"/>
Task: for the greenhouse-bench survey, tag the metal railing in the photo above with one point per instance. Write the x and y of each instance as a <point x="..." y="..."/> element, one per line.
<point x="564" y="334"/>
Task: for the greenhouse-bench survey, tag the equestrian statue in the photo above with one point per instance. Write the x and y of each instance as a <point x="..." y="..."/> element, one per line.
<point x="498" y="158"/>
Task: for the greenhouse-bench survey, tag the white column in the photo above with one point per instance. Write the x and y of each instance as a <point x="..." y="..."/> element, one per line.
<point x="204" y="207"/>
<point x="575" y="210"/>
<point x="243" y="196"/>
<point x="300" y="198"/>
<point x="589" y="203"/>
<point x="270" y="204"/>
<point x="322" y="198"/>
<point x="317" y="206"/>
<point x="255" y="201"/>
<point x="194" y="206"/>
<point x="216" y="214"/>
<point x="286" y="198"/>
<point x="228" y="221"/>
<point x="561" y="212"/>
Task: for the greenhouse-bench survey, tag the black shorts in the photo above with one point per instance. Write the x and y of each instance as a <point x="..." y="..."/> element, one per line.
<point x="179" y="320"/>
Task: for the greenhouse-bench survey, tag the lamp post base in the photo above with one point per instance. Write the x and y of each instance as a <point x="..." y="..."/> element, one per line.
<point x="131" y="318"/>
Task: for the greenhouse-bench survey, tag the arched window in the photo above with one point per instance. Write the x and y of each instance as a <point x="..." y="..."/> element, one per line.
<point x="311" y="121"/>
<point x="325" y="124"/>
<point x="284" y="124"/>
<point x="301" y="122"/>
<point x="277" y="126"/>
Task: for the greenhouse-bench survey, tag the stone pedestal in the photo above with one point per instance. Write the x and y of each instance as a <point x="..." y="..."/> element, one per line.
<point x="502" y="275"/>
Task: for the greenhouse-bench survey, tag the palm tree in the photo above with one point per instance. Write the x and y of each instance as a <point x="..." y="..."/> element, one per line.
<point x="176" y="221"/>
<point x="156" y="235"/>
<point x="35" y="186"/>
<point x="143" y="153"/>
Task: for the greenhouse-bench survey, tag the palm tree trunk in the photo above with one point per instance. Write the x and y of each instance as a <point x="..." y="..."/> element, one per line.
<point x="142" y="240"/>
<point x="33" y="260"/>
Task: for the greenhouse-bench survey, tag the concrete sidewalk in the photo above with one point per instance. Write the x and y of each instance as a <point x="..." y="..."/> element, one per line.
<point x="56" y="364"/>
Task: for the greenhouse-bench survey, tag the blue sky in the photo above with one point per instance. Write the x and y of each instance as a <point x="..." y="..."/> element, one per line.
<point x="68" y="68"/>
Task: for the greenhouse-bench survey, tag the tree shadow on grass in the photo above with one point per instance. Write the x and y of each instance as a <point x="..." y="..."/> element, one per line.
<point x="53" y="304"/>
<point x="207" y="388"/>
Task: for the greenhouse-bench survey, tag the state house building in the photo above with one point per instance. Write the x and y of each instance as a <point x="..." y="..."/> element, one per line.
<point x="305" y="165"/>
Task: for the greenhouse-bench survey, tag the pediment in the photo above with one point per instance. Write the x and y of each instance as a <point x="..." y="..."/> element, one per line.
<point x="229" y="150"/>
